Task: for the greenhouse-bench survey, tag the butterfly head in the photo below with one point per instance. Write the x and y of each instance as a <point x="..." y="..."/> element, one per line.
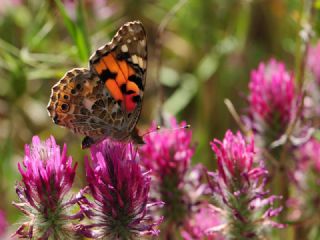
<point x="136" y="138"/>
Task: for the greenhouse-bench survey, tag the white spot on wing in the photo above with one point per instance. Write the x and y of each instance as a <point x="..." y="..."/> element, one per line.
<point x="140" y="62"/>
<point x="143" y="42"/>
<point x="124" y="48"/>
<point x="135" y="59"/>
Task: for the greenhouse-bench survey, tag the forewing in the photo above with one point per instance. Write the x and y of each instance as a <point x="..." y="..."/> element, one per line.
<point x="121" y="67"/>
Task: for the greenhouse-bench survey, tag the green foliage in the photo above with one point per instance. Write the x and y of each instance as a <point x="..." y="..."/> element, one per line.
<point x="77" y="29"/>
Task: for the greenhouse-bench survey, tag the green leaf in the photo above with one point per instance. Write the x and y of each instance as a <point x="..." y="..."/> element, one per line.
<point x="207" y="67"/>
<point x="17" y="74"/>
<point x="82" y="34"/>
<point x="169" y="77"/>
<point x="76" y="29"/>
<point x="66" y="19"/>
<point x="183" y="95"/>
<point x="317" y="134"/>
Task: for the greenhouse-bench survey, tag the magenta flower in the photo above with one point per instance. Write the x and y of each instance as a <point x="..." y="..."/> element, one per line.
<point x="272" y="100"/>
<point x="47" y="176"/>
<point x="238" y="186"/>
<point x="167" y="154"/>
<point x="3" y="224"/>
<point x="121" y="207"/>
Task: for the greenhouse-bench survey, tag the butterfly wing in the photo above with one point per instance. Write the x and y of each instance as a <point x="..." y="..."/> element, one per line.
<point x="105" y="100"/>
<point x="80" y="102"/>
<point x="121" y="66"/>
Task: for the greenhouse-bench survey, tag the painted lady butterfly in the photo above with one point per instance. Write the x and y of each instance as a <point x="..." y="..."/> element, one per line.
<point x="106" y="99"/>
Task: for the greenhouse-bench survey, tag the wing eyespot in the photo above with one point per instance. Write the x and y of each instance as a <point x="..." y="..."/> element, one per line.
<point x="78" y="86"/>
<point x="65" y="107"/>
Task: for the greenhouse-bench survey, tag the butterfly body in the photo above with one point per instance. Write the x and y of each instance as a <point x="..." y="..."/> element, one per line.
<point x="106" y="99"/>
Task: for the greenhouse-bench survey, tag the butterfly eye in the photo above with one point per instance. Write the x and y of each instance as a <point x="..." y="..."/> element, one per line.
<point x="64" y="107"/>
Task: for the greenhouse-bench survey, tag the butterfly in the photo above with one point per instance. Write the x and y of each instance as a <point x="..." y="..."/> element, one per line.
<point x="105" y="100"/>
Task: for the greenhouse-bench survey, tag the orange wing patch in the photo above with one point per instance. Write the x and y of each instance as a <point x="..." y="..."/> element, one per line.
<point x="114" y="89"/>
<point x="116" y="76"/>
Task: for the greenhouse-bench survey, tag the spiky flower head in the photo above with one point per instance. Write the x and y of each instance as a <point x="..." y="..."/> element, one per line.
<point x="168" y="154"/>
<point x="238" y="188"/>
<point x="47" y="176"/>
<point x="121" y="206"/>
<point x="272" y="100"/>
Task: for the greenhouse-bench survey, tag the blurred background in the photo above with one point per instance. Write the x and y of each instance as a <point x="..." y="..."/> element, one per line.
<point x="200" y="52"/>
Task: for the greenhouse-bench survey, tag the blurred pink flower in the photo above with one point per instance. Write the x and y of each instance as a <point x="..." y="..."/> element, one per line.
<point x="201" y="223"/>
<point x="167" y="153"/>
<point x="47" y="176"/>
<point x="3" y="224"/>
<point x="272" y="100"/>
<point x="313" y="61"/>
<point x="306" y="176"/>
<point x="101" y="8"/>
<point x="9" y="4"/>
<point x="70" y="6"/>
<point x="309" y="155"/>
<point x="312" y="99"/>
<point x="121" y="206"/>
<point x="238" y="186"/>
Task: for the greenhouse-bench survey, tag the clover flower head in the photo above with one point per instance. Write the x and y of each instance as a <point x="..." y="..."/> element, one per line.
<point x="47" y="177"/>
<point x="272" y="99"/>
<point x="121" y="205"/>
<point x="238" y="187"/>
<point x="167" y="153"/>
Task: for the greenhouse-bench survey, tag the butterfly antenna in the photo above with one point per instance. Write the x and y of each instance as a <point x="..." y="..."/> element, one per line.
<point x="151" y="131"/>
<point x="158" y="129"/>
